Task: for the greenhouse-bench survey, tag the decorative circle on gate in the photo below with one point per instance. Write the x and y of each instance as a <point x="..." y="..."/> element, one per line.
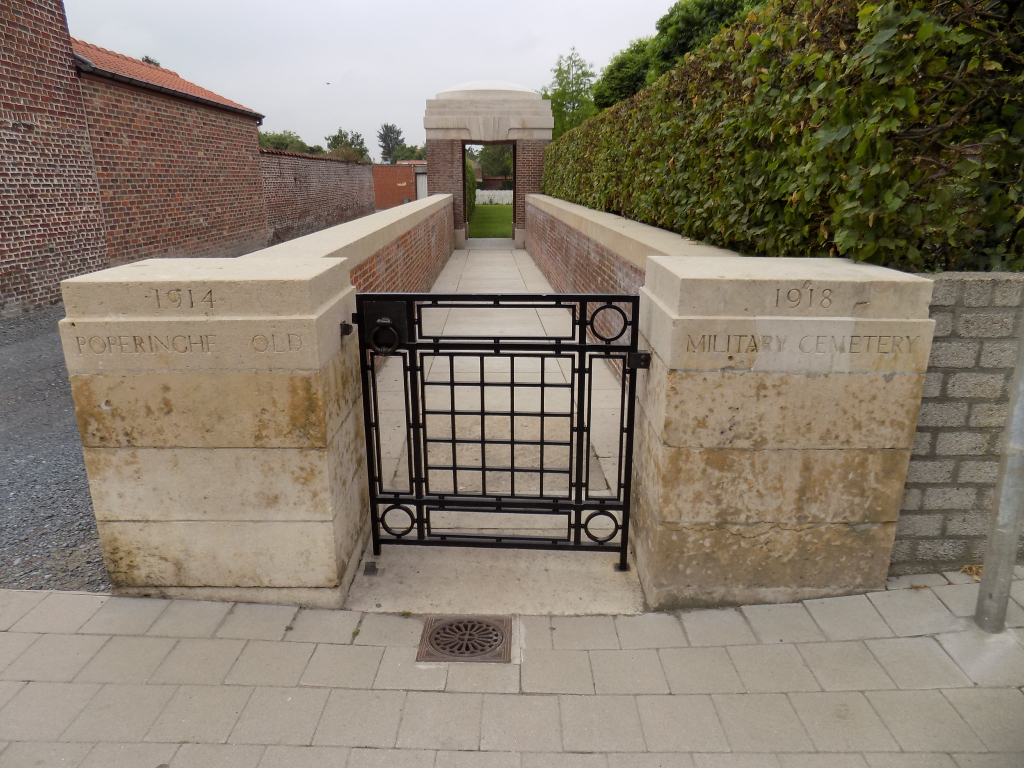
<point x="466" y="638"/>
<point x="392" y="531"/>
<point x="599" y="514"/>
<point x="598" y="334"/>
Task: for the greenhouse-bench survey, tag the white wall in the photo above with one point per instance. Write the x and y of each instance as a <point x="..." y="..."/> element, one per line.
<point x="494" y="197"/>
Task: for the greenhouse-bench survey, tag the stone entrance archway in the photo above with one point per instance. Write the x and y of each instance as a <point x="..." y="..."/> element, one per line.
<point x="486" y="112"/>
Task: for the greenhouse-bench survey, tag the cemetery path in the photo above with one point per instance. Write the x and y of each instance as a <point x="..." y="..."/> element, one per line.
<point x="48" y="534"/>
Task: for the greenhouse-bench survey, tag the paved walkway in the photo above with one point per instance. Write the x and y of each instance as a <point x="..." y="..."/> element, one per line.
<point x="895" y="679"/>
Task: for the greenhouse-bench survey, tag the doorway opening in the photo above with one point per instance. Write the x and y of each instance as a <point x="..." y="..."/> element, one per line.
<point x="489" y="176"/>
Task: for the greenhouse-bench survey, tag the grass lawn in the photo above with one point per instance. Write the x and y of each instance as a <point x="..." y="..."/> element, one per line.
<point x="491" y="221"/>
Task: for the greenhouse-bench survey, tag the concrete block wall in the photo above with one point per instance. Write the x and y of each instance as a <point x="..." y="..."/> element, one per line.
<point x="305" y="194"/>
<point x="951" y="482"/>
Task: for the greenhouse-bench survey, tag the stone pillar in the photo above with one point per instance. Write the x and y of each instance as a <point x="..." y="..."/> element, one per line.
<point x="446" y="176"/>
<point x="774" y="427"/>
<point x="529" y="173"/>
<point x="220" y="415"/>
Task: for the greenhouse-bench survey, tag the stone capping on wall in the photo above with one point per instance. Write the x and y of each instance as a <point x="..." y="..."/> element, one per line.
<point x="305" y="156"/>
<point x="358" y="240"/>
<point x="631" y="240"/>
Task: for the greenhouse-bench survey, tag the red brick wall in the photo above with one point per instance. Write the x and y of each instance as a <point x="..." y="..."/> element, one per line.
<point x="176" y="178"/>
<point x="445" y="167"/>
<point x="305" y="194"/>
<point x="393" y="185"/>
<point x="572" y="262"/>
<point x="50" y="217"/>
<point x="529" y="173"/>
<point x="412" y="262"/>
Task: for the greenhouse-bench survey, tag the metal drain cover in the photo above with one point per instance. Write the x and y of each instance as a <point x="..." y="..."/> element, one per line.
<point x="466" y="638"/>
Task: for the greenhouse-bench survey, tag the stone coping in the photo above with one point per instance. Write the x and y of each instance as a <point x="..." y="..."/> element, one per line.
<point x="631" y="240"/>
<point x="357" y="240"/>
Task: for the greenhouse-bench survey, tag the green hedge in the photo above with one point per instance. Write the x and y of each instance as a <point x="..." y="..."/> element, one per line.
<point x="889" y="133"/>
<point x="469" y="182"/>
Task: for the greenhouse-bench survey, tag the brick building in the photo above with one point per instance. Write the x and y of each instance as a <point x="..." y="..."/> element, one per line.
<point x="105" y="160"/>
<point x="393" y="185"/>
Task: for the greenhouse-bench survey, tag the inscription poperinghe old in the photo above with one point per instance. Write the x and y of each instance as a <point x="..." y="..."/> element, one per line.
<point x="182" y="344"/>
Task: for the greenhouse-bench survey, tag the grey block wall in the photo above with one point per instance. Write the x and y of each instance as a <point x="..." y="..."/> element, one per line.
<point x="951" y="482"/>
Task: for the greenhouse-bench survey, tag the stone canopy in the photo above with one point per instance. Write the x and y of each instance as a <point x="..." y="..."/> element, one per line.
<point x="488" y="111"/>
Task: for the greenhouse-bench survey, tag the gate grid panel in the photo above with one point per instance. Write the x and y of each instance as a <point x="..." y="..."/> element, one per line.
<point x="480" y="414"/>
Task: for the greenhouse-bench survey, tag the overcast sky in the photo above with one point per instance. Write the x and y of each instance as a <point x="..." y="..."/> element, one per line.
<point x="383" y="60"/>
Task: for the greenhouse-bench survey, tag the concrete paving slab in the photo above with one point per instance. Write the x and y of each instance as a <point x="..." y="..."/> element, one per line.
<point x="600" y="724"/>
<point x="54" y="658"/>
<point x="257" y="622"/>
<point x="13" y="644"/>
<point x="627" y="672"/>
<point x="126" y="660"/>
<point x="286" y="716"/>
<point x="848" y="618"/>
<point x="7" y="691"/>
<point x="390" y="758"/>
<point x="845" y="667"/>
<point x="217" y="756"/>
<point x="650" y="760"/>
<point x="917" y="663"/>
<point x="198" y="662"/>
<point x="909" y="761"/>
<point x="343" y="666"/>
<point x="270" y="664"/>
<point x="129" y="755"/>
<point x="650" y="630"/>
<point x="438" y="580"/>
<point x="532" y="760"/>
<point x="477" y="760"/>
<point x="995" y="714"/>
<point x="681" y="724"/>
<point x="786" y="623"/>
<point x="916" y="580"/>
<point x="188" y="618"/>
<point x="992" y="660"/>
<point x="483" y="678"/>
<point x="42" y="711"/>
<point x="520" y="724"/>
<point x="44" y="755"/>
<point x="125" y="616"/>
<point x="735" y="761"/>
<point x="60" y="612"/>
<point x="360" y="719"/>
<point x="304" y="757"/>
<point x="120" y="713"/>
<point x="556" y="671"/>
<point x="842" y="722"/>
<point x="584" y="633"/>
<point x="381" y="629"/>
<point x="200" y="713"/>
<point x="14" y="604"/>
<point x="772" y="669"/>
<point x="399" y="670"/>
<point x="317" y="626"/>
<point x="1010" y="760"/>
<point x="822" y="761"/>
<point x="924" y="721"/>
<point x="717" y="627"/>
<point x="700" y="670"/>
<point x="914" y="612"/>
<point x="449" y="721"/>
<point x="761" y="722"/>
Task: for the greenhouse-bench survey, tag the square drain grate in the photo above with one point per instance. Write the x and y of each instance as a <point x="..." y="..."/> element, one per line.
<point x="466" y="638"/>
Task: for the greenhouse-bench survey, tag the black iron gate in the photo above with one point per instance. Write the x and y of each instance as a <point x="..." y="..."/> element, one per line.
<point x="500" y="420"/>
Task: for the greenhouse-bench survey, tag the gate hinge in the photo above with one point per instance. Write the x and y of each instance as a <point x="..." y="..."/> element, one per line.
<point x="346" y="329"/>
<point x="638" y="360"/>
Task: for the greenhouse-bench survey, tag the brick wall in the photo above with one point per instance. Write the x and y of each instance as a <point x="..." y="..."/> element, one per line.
<point x="412" y="262"/>
<point x="528" y="175"/>
<point x="950" y="486"/>
<point x="50" y="216"/>
<point x="445" y="169"/>
<point x="573" y="262"/>
<point x="393" y="185"/>
<point x="305" y="194"/>
<point x="176" y="178"/>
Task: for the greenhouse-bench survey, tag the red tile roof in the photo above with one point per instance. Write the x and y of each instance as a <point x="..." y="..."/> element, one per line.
<point x="95" y="60"/>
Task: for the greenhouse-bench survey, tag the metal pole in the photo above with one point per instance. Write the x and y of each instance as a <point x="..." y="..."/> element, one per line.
<point x="1008" y="515"/>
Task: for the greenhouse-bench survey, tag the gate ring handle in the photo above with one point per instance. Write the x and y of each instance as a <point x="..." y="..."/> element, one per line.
<point x="375" y="344"/>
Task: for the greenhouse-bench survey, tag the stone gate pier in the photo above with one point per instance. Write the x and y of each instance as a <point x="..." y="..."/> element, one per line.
<point x="775" y="426"/>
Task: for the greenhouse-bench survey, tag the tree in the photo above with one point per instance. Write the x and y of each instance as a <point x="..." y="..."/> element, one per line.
<point x="347" y="146"/>
<point x="690" y="24"/>
<point x="496" y="160"/>
<point x="151" y="60"/>
<point x="625" y="75"/>
<point x="469" y="187"/>
<point x="389" y="137"/>
<point x="289" y="141"/>
<point x="405" y="152"/>
<point x="570" y="92"/>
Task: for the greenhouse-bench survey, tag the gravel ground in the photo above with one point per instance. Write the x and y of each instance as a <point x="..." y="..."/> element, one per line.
<point x="47" y="531"/>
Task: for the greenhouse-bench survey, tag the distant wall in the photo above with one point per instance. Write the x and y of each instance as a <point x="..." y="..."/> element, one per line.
<point x="393" y="185"/>
<point x="494" y="197"/>
<point x="51" y="224"/>
<point x="305" y="194"/>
